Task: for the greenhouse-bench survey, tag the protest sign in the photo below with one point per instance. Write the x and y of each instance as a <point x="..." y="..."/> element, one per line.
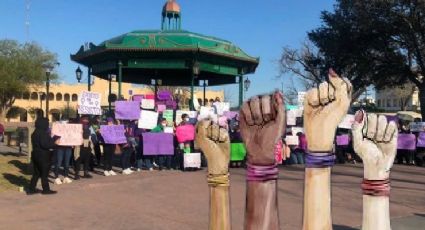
<point x="168" y="115"/>
<point x="207" y="113"/>
<point x="406" y="141"/>
<point x="192" y="160"/>
<point x="168" y="130"/>
<point x="222" y="107"/>
<point x="138" y="97"/>
<point x="148" y="103"/>
<point x="231" y="114"/>
<point x="89" y="103"/>
<point x="161" y="108"/>
<point x="148" y="119"/>
<point x="185" y="133"/>
<point x="164" y="95"/>
<point x="127" y="110"/>
<point x="342" y="140"/>
<point x="113" y="134"/>
<point x="421" y="140"/>
<point x="417" y="126"/>
<point x="158" y="144"/>
<point x="295" y="130"/>
<point x="237" y="151"/>
<point x="70" y="134"/>
<point x="150" y="96"/>
<point x="291" y="118"/>
<point x="347" y="122"/>
<point x="292" y="140"/>
<point x="299" y="112"/>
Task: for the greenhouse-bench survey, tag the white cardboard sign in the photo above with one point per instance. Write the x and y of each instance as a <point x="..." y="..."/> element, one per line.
<point x="292" y="140"/>
<point x="148" y="119"/>
<point x="89" y="103"/>
<point x="148" y="104"/>
<point x="192" y="160"/>
<point x="291" y="117"/>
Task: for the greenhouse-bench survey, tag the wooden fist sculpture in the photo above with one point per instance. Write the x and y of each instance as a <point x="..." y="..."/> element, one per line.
<point x="375" y="141"/>
<point x="324" y="108"/>
<point x="262" y="122"/>
<point x="215" y="144"/>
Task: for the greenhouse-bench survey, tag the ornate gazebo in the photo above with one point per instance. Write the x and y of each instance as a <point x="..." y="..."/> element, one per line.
<point x="170" y="57"/>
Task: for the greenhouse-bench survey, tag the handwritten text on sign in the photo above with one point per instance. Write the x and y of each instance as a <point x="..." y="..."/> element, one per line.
<point x="89" y="103"/>
<point x="417" y="126"/>
<point x="70" y="134"/>
<point x="127" y="110"/>
<point x="148" y="119"/>
<point x="113" y="134"/>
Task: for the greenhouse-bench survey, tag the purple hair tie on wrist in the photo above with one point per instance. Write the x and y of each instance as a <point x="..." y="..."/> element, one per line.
<point x="261" y="173"/>
<point x="319" y="160"/>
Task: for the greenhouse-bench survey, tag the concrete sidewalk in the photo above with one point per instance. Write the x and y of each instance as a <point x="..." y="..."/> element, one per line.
<point x="174" y="200"/>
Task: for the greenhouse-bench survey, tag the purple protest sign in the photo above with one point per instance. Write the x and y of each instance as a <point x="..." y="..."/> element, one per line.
<point x="158" y="144"/>
<point x="406" y="141"/>
<point x="342" y="140"/>
<point x="421" y="140"/>
<point x="164" y="95"/>
<point x="127" y="110"/>
<point x="392" y="118"/>
<point x="230" y="114"/>
<point x="113" y="134"/>
<point x="138" y="97"/>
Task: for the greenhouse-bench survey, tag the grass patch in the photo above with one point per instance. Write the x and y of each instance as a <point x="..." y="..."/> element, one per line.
<point x="14" y="172"/>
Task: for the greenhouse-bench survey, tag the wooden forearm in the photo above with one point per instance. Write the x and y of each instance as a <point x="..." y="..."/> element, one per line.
<point x="376" y="213"/>
<point x="317" y="199"/>
<point x="261" y="206"/>
<point x="219" y="208"/>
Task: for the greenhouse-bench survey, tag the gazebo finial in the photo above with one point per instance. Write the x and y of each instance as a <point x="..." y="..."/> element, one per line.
<point x="171" y="16"/>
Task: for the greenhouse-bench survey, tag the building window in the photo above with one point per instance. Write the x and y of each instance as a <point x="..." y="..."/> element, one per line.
<point x="66" y="97"/>
<point x="388" y="102"/>
<point x="34" y="96"/>
<point x="43" y="96"/>
<point x="51" y="97"/>
<point x="74" y="97"/>
<point x="26" y="96"/>
<point x="394" y="102"/>
<point x="58" y="97"/>
<point x="379" y="102"/>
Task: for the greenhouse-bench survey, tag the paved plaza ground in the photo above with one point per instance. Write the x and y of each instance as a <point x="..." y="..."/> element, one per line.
<point x="172" y="200"/>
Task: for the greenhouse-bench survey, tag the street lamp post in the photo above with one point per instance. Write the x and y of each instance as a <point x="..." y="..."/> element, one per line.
<point x="195" y="73"/>
<point x="78" y="74"/>
<point x="247" y="83"/>
<point x="48" y="69"/>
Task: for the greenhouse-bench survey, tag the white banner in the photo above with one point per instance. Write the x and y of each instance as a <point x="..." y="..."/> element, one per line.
<point x="148" y="119"/>
<point x="168" y="130"/>
<point x="70" y="134"/>
<point x="347" y="122"/>
<point x="148" y="104"/>
<point x="89" y="103"/>
<point x="292" y="140"/>
<point x="192" y="160"/>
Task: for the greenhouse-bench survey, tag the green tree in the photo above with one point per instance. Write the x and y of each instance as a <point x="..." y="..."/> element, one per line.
<point x="380" y="42"/>
<point x="21" y="66"/>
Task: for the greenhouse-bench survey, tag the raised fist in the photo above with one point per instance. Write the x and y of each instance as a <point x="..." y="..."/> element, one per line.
<point x="262" y="122"/>
<point x="375" y="141"/>
<point x="214" y="142"/>
<point x="324" y="108"/>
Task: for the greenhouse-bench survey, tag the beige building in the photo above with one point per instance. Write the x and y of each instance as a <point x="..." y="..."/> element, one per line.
<point x="405" y="97"/>
<point x="63" y="96"/>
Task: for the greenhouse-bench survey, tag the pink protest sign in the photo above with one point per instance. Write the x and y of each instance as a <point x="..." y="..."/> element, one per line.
<point x="185" y="133"/>
<point x="406" y="141"/>
<point x="342" y="140"/>
<point x="149" y="96"/>
<point x="71" y="134"/>
<point x="161" y="108"/>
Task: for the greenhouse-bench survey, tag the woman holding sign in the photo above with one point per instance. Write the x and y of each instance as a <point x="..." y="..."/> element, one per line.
<point x="41" y="155"/>
<point x="108" y="153"/>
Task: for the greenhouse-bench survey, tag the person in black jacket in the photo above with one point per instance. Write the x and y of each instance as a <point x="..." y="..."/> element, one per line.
<point x="41" y="155"/>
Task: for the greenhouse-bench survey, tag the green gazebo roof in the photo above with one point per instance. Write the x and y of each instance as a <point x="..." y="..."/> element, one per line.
<point x="169" y="55"/>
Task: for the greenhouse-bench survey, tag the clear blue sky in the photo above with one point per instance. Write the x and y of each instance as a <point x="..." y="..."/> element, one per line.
<point x="260" y="27"/>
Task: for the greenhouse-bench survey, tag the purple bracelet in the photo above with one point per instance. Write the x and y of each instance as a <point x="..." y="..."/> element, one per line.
<point x="319" y="160"/>
<point x="261" y="173"/>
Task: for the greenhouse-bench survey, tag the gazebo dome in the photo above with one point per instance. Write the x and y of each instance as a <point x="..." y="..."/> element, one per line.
<point x="171" y="6"/>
